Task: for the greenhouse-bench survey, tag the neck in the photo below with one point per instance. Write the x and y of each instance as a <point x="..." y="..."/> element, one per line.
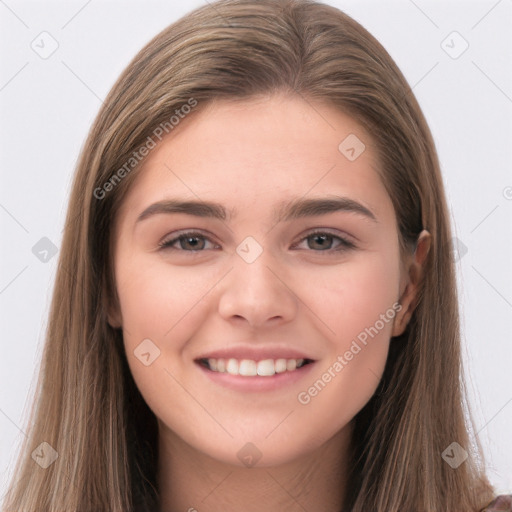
<point x="190" y="480"/>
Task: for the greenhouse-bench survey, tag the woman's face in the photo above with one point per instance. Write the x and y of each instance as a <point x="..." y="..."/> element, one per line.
<point x="253" y="284"/>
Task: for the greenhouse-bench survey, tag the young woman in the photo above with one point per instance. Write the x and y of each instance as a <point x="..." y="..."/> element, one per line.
<point x="255" y="306"/>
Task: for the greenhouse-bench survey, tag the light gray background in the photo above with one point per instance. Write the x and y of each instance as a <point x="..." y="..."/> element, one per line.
<point x="47" y="106"/>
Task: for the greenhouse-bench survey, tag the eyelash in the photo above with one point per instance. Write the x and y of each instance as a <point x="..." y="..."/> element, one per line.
<point x="344" y="243"/>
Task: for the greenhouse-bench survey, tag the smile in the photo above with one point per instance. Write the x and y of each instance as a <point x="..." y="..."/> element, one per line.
<point x="251" y="368"/>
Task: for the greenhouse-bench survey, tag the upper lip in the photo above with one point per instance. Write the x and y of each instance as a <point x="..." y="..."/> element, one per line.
<point x="255" y="354"/>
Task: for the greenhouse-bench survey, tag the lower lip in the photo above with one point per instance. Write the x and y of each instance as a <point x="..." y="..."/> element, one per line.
<point x="257" y="383"/>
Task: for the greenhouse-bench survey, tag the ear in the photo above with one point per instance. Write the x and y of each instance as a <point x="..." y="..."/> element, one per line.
<point x="114" y="317"/>
<point x="413" y="277"/>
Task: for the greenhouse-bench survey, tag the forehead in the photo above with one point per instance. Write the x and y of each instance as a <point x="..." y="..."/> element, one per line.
<point x="251" y="155"/>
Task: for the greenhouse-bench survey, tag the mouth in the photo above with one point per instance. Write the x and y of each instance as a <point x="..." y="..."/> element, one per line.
<point x="252" y="368"/>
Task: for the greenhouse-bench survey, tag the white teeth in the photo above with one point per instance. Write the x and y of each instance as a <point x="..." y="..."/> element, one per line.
<point x="232" y="367"/>
<point x="247" y="367"/>
<point x="250" y="368"/>
<point x="266" y="368"/>
<point x="280" y="365"/>
<point x="291" y="365"/>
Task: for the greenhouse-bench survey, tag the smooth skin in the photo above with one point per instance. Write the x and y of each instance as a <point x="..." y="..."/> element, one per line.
<point x="192" y="298"/>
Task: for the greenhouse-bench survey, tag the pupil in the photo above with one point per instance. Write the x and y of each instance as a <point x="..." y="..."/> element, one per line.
<point x="192" y="241"/>
<point x="322" y="238"/>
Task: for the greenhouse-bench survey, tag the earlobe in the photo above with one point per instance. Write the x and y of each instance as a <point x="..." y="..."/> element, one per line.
<point x="114" y="321"/>
<point x="114" y="318"/>
<point x="415" y="270"/>
<point x="112" y="308"/>
<point x="404" y="315"/>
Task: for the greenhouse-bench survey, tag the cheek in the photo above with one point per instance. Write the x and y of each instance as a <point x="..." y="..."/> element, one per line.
<point x="358" y="304"/>
<point x="166" y="305"/>
<point x="153" y="297"/>
<point x="156" y="303"/>
<point x="351" y="296"/>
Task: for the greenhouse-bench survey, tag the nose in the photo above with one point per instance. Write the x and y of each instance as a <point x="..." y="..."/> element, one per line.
<point x="259" y="293"/>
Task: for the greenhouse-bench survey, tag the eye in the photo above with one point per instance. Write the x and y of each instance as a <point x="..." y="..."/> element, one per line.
<point x="323" y="241"/>
<point x="187" y="241"/>
<point x="193" y="241"/>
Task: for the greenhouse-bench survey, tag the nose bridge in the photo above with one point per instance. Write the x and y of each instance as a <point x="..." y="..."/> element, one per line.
<point x="252" y="266"/>
<point x="254" y="289"/>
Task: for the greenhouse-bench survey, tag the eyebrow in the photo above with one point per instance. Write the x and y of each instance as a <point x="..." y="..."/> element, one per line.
<point x="285" y="211"/>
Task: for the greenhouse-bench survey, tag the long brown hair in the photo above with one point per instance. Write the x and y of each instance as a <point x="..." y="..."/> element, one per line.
<point x="88" y="407"/>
